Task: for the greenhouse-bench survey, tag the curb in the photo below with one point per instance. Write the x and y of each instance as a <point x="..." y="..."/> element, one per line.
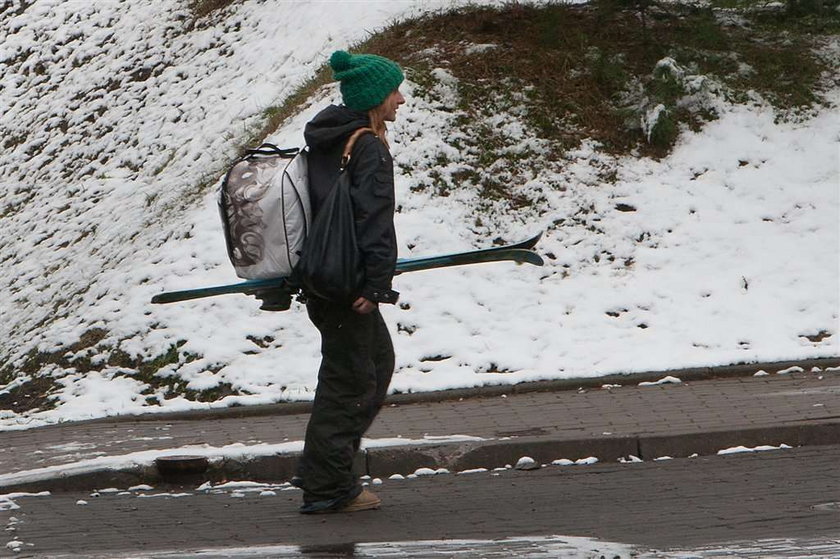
<point x="456" y="457"/>
<point x="488" y="391"/>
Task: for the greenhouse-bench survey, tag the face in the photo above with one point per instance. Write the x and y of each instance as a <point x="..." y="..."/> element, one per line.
<point x="391" y="104"/>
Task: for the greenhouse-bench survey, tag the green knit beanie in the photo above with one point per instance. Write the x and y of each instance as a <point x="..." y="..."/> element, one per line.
<point x="366" y="79"/>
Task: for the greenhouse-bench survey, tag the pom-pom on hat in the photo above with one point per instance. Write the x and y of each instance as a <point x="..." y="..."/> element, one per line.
<point x="366" y="79"/>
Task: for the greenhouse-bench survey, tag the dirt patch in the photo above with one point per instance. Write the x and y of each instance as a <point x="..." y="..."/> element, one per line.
<point x="201" y="8"/>
<point x="31" y="395"/>
<point x="93" y="352"/>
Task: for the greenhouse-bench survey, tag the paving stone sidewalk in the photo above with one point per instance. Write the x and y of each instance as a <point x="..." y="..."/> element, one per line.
<point x="702" y="417"/>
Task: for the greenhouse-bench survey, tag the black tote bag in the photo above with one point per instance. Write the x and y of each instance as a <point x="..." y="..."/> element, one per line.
<point x="331" y="265"/>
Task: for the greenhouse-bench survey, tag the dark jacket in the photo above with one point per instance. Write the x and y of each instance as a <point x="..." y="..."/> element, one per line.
<point x="372" y="192"/>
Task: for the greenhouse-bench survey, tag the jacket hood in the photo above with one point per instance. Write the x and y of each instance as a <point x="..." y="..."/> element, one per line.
<point x="332" y="126"/>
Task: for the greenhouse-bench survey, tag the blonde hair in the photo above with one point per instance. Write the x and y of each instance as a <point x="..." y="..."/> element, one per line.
<point x="377" y="123"/>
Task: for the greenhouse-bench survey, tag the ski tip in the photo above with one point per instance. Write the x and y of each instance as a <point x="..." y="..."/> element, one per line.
<point x="537" y="260"/>
<point x="164" y="298"/>
<point x="530" y="243"/>
<point x="529" y="257"/>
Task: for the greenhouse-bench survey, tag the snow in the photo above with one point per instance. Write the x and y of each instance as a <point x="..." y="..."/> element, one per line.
<point x="473" y="471"/>
<point x="235" y="451"/>
<point x="663" y="380"/>
<point x="239" y="485"/>
<point x="526" y="463"/>
<point x="580" y="462"/>
<point x="760" y="448"/>
<point x="429" y="472"/>
<point x="566" y="547"/>
<point x="7" y="501"/>
<point x="651" y="118"/>
<point x="715" y="266"/>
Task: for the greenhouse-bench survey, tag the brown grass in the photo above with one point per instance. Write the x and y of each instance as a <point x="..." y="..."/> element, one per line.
<point x="36" y="393"/>
<point x="201" y="8"/>
<point x="579" y="59"/>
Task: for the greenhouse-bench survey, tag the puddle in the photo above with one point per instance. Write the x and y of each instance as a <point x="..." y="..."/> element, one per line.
<point x="560" y="547"/>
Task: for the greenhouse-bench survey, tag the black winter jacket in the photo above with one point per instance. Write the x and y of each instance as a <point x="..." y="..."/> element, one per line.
<point x="372" y="191"/>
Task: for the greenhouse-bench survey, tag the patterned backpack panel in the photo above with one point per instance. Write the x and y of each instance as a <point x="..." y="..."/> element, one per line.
<point x="265" y="210"/>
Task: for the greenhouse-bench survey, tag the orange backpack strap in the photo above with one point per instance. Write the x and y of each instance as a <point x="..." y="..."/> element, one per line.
<point x="351" y="141"/>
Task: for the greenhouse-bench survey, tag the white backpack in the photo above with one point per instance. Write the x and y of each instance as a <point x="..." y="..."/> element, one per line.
<point x="265" y="210"/>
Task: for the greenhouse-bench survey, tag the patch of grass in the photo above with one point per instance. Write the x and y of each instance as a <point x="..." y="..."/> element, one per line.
<point x="149" y="372"/>
<point x="786" y="74"/>
<point x="36" y="392"/>
<point x="664" y="133"/>
<point x="665" y="86"/>
<point x="578" y="60"/>
<point x="201" y="8"/>
<point x="30" y="395"/>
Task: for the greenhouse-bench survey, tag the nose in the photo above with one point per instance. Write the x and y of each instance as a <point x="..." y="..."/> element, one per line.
<point x="400" y="98"/>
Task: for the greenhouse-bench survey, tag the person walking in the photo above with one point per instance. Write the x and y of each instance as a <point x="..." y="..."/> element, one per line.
<point x="356" y="350"/>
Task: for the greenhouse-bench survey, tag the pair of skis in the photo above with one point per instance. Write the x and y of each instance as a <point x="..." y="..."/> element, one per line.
<point x="520" y="253"/>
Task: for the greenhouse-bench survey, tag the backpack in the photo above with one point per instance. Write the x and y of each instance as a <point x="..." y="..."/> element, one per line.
<point x="265" y="211"/>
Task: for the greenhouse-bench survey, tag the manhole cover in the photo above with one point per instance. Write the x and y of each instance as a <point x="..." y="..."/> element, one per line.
<point x="174" y="465"/>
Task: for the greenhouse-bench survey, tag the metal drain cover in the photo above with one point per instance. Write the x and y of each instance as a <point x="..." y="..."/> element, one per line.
<point x="181" y="464"/>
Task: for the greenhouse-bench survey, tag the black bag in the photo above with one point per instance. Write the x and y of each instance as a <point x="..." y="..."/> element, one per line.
<point x="331" y="266"/>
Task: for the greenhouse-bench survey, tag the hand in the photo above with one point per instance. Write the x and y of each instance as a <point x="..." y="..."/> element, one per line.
<point x="363" y="306"/>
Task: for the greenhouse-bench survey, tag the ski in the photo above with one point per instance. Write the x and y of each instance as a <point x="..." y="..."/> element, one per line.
<point x="520" y="253"/>
<point x="250" y="287"/>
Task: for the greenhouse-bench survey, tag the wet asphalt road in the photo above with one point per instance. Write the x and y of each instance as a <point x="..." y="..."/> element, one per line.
<point x="785" y="502"/>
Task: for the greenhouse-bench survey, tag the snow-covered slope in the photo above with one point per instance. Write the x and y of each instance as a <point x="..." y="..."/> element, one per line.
<point x="114" y="114"/>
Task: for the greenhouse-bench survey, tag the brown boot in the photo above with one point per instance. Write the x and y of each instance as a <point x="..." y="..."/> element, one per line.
<point x="366" y="500"/>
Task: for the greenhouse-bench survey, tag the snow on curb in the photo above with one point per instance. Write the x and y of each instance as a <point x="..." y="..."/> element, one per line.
<point x="235" y="451"/>
<point x="760" y="448"/>
<point x="664" y="380"/>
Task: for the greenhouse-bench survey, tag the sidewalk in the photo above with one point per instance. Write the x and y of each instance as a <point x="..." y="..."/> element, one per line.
<point x="692" y="417"/>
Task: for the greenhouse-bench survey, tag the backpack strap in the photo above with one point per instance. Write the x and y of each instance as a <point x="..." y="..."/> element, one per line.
<point x="348" y="147"/>
<point x="271" y="149"/>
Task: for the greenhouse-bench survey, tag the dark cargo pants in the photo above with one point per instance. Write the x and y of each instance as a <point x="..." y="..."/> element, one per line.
<point x="357" y="361"/>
